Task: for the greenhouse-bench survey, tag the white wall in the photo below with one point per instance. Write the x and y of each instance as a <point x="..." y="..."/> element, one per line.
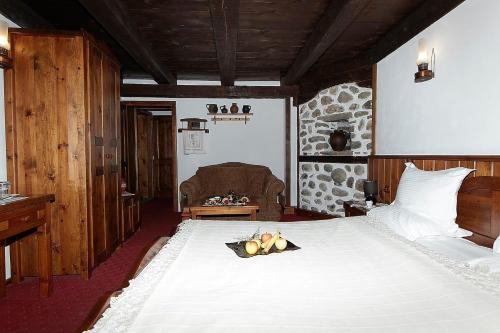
<point x="260" y="141"/>
<point x="456" y="112"/>
<point x="3" y="152"/>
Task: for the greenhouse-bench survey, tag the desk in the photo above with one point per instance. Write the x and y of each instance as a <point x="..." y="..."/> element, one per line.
<point x="32" y="213"/>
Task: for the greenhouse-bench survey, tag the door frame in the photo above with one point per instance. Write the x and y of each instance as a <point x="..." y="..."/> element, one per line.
<point x="163" y="105"/>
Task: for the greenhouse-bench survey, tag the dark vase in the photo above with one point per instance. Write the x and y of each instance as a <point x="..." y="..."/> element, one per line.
<point x="223" y="109"/>
<point x="246" y="109"/>
<point x="234" y="108"/>
<point x="338" y="140"/>
<point x="212" y="108"/>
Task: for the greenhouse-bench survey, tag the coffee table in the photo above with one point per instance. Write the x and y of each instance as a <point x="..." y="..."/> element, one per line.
<point x="196" y="212"/>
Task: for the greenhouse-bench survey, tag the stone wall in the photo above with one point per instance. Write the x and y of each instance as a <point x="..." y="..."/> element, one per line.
<point x="345" y="106"/>
<point x="323" y="187"/>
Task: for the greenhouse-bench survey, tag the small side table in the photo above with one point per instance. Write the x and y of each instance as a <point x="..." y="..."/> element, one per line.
<point x="357" y="208"/>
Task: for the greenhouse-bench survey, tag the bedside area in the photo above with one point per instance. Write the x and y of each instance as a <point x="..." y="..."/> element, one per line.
<point x="357" y="208"/>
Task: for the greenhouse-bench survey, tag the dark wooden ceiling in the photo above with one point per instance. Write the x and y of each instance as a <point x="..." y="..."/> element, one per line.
<point x="312" y="43"/>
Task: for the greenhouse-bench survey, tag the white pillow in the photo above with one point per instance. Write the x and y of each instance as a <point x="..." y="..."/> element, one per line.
<point x="496" y="245"/>
<point x="431" y="194"/>
<point x="411" y="225"/>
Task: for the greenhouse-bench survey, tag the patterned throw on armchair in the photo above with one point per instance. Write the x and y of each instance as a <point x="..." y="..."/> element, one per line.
<point x="256" y="181"/>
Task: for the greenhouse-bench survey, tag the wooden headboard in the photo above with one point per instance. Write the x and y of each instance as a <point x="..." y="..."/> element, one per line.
<point x="478" y="207"/>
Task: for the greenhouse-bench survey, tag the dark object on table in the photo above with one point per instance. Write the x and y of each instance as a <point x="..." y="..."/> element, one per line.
<point x="239" y="249"/>
<point x="212" y="108"/>
<point x="370" y="188"/>
<point x="338" y="139"/>
<point x="256" y="181"/>
<point x="223" y="109"/>
<point x="246" y="109"/>
<point x="234" y="108"/>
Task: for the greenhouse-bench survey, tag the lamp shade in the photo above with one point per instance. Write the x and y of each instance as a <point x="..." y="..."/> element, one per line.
<point x="423" y="56"/>
<point x="370" y="188"/>
<point x="4" y="35"/>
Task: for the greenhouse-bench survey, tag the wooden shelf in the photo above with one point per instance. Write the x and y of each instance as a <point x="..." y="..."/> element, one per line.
<point x="230" y="117"/>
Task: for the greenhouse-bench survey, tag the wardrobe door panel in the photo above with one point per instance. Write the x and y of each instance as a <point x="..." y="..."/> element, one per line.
<point x="99" y="229"/>
<point x="48" y="109"/>
<point x="111" y="148"/>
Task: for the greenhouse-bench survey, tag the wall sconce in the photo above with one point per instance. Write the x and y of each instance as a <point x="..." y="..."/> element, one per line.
<point x="5" y="59"/>
<point x="424" y="73"/>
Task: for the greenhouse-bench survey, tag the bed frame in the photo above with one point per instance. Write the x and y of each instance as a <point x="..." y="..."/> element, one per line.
<point x="478" y="207"/>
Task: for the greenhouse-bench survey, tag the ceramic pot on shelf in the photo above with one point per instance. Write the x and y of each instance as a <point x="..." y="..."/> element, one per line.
<point x="212" y="108"/>
<point x="223" y="109"/>
<point x="246" y="109"/>
<point x="234" y="108"/>
<point x="338" y="139"/>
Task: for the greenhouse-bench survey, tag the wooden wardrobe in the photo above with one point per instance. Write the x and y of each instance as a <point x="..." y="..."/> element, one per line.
<point x="62" y="101"/>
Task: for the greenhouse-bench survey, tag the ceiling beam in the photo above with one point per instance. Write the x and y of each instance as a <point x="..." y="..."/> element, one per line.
<point x="337" y="18"/>
<point x="114" y="17"/>
<point x="188" y="91"/>
<point x="333" y="73"/>
<point x="22" y="15"/>
<point x="225" y="22"/>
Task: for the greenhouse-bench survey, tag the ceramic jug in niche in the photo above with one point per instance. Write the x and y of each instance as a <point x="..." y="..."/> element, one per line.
<point x="212" y="108"/>
<point x="338" y="139"/>
<point x="246" y="109"/>
<point x="234" y="108"/>
<point x="223" y="109"/>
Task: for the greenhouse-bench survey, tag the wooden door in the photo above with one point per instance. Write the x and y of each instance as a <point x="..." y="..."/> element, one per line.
<point x="165" y="156"/>
<point x="145" y="154"/>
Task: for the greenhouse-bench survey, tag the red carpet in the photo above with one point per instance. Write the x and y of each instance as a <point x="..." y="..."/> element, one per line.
<point x="65" y="310"/>
<point x="23" y="311"/>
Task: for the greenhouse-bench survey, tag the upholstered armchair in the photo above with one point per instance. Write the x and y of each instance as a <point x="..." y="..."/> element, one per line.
<point x="255" y="181"/>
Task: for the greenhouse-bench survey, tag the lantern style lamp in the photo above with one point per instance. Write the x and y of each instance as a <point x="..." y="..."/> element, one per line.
<point x="424" y="72"/>
<point x="370" y="188"/>
<point x="5" y="59"/>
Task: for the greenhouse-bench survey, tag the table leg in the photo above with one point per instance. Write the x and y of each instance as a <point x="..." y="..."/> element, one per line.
<point x="15" y="262"/>
<point x="45" y="259"/>
<point x="2" y="268"/>
<point x="253" y="215"/>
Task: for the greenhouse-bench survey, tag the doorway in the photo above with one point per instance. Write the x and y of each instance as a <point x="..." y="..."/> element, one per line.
<point x="149" y="149"/>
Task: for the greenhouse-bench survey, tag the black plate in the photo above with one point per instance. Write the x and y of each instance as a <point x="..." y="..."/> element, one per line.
<point x="239" y="249"/>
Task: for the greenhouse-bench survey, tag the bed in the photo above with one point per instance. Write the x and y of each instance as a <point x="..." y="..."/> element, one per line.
<point x="350" y="275"/>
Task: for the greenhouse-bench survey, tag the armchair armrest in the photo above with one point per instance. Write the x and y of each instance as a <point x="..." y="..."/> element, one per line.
<point x="191" y="189"/>
<point x="272" y="188"/>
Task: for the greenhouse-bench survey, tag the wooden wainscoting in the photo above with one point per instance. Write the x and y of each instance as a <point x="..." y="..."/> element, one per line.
<point x="387" y="170"/>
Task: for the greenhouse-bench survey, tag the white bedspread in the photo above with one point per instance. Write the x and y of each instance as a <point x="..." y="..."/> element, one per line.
<point x="349" y="276"/>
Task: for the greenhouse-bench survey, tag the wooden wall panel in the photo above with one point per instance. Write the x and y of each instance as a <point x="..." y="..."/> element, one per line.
<point x="387" y="170"/>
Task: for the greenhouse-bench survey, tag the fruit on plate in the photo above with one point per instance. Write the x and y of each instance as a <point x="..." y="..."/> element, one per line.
<point x="265" y="237"/>
<point x="251" y="247"/>
<point x="256" y="240"/>
<point x="281" y="244"/>
<point x="271" y="242"/>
